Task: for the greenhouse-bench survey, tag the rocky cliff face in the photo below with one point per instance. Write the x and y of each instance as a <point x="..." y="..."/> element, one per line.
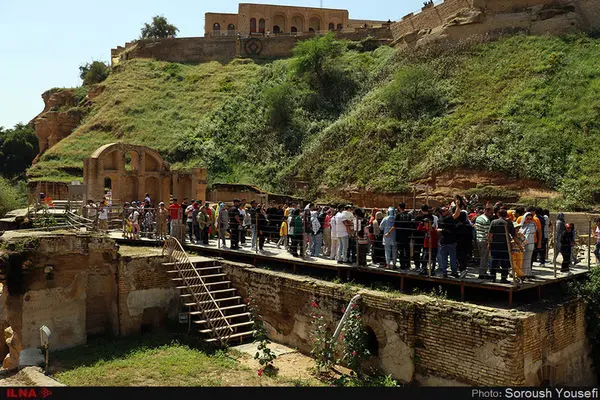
<point x="58" y="119"/>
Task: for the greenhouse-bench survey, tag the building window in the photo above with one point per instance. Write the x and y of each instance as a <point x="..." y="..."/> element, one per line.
<point x="252" y="25"/>
<point x="261" y="25"/>
<point x="231" y="27"/>
<point x="294" y="29"/>
<point x="340" y="27"/>
<point x="331" y="26"/>
<point x="276" y="29"/>
<point x="216" y="28"/>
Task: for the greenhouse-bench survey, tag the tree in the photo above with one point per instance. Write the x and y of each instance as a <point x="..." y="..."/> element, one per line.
<point x="313" y="57"/>
<point x="94" y="72"/>
<point x="18" y="148"/>
<point x="159" y="28"/>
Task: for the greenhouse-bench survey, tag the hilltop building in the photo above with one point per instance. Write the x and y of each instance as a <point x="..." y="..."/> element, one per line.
<point x="263" y="19"/>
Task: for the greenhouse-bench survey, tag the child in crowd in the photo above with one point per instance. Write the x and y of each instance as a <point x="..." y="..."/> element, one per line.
<point x="430" y="246"/>
<point x="283" y="235"/>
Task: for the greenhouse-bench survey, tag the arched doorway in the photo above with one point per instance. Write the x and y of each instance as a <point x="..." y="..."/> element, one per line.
<point x="298" y="23"/>
<point x="107" y="183"/>
<point x="216" y="29"/>
<point x="314" y="24"/>
<point x="340" y="27"/>
<point x="279" y="22"/>
<point x="261" y="25"/>
<point x="331" y="26"/>
<point x="252" y="25"/>
<point x="230" y="29"/>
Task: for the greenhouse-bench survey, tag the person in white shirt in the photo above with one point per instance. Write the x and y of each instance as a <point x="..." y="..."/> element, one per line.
<point x="103" y="216"/>
<point x="342" y="224"/>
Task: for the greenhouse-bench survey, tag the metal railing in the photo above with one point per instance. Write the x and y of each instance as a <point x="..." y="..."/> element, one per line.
<point x="206" y="303"/>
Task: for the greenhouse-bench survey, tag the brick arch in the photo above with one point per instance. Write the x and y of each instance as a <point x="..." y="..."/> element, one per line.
<point x="280" y="20"/>
<point x="298" y="22"/>
<point x="127" y="183"/>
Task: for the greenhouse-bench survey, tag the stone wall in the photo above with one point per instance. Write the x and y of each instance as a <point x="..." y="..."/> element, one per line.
<point x="191" y="49"/>
<point x="146" y="294"/>
<point x="463" y="19"/>
<point x="430" y="341"/>
<point x="92" y="290"/>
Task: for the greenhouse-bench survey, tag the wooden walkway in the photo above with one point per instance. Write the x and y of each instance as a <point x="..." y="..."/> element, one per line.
<point x="545" y="276"/>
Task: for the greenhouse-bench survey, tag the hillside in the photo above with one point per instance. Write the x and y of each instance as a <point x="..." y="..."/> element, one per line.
<point x="522" y="110"/>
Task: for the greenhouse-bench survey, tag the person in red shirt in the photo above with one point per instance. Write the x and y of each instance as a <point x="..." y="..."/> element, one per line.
<point x="175" y="213"/>
<point x="430" y="245"/>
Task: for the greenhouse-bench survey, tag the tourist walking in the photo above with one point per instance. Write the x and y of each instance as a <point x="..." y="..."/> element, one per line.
<point x="162" y="217"/>
<point x="567" y="241"/>
<point x="388" y="228"/>
<point x="529" y="230"/>
<point x="378" y="251"/>
<point x="222" y="223"/>
<point x="482" y="227"/>
<point x="498" y="239"/>
<point x="235" y="221"/>
<point x="448" y="239"/>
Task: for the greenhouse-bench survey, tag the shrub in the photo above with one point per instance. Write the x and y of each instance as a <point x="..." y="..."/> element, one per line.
<point x="414" y="92"/>
<point x="9" y="196"/>
<point x="94" y="72"/>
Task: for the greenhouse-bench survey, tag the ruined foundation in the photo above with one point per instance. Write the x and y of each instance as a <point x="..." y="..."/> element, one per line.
<point x="95" y="288"/>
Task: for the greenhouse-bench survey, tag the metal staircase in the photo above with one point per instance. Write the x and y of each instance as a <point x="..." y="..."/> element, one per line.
<point x="213" y="306"/>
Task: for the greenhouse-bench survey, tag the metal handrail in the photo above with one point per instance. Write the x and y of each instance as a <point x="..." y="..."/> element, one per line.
<point x="215" y="319"/>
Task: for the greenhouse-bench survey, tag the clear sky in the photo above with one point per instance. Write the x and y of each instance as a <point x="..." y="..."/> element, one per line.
<point x="43" y="42"/>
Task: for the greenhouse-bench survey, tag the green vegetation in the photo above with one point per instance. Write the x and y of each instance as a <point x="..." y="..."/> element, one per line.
<point x="94" y="72"/>
<point x="159" y="28"/>
<point x="341" y="113"/>
<point x="18" y="147"/>
<point x="10" y="198"/>
<point x="159" y="359"/>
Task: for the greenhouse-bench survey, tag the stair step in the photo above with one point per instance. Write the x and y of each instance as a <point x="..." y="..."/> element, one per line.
<point x="210" y="301"/>
<point x="203" y="321"/>
<point x="206" y="284"/>
<point x="201" y="276"/>
<point x="225" y="327"/>
<point x="213" y="309"/>
<point x="235" y="335"/>
<point x="194" y="261"/>
<point x="222" y="291"/>
<point x="174" y="271"/>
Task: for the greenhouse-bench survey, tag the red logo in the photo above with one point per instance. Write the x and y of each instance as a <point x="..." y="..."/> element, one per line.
<point x="27" y="393"/>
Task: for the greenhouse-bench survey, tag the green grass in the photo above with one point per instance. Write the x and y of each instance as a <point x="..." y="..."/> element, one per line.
<point x="524" y="106"/>
<point x="158" y="360"/>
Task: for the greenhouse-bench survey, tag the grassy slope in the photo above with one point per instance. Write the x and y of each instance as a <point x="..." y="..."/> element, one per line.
<point x="145" y="102"/>
<point x="526" y="106"/>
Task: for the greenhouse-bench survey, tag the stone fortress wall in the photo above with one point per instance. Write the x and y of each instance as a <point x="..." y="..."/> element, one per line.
<point x="461" y="19"/>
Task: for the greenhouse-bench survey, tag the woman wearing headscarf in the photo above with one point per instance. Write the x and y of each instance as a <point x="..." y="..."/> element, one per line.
<point x="529" y="231"/>
<point x="378" y="255"/>
<point x="558" y="231"/>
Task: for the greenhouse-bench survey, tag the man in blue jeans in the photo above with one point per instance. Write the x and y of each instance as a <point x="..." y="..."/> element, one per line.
<point x="388" y="228"/>
<point x="447" y="228"/>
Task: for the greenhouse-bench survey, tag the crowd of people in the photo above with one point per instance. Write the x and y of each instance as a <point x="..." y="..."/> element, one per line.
<point x="492" y="238"/>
